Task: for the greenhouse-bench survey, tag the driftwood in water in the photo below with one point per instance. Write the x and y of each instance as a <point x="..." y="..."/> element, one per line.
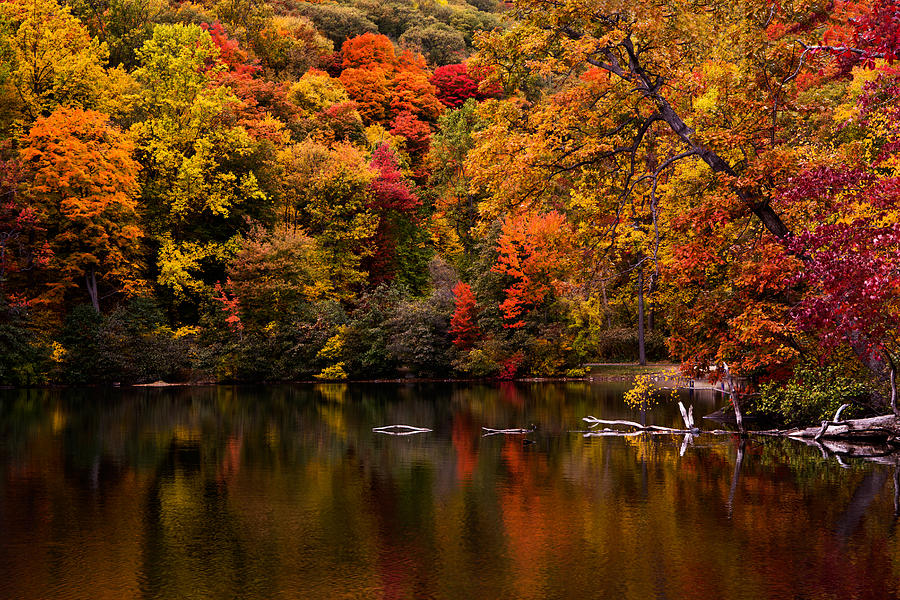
<point x="885" y="428"/>
<point x="400" y="430"/>
<point x="638" y="428"/>
<point x="488" y="431"/>
<point x="686" y="415"/>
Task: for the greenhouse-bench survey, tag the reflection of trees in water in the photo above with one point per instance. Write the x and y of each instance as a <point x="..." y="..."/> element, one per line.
<point x="191" y="542"/>
<point x="198" y="491"/>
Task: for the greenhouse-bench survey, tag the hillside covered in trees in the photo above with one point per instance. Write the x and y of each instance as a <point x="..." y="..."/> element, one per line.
<point x="251" y="191"/>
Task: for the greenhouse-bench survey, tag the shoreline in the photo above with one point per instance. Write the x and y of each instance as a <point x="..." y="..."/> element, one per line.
<point x="620" y="374"/>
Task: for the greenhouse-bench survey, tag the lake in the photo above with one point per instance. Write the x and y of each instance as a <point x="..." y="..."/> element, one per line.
<point x="286" y="492"/>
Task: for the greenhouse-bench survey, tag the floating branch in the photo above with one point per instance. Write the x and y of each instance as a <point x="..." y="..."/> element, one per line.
<point x="594" y="422"/>
<point x="400" y="430"/>
<point x="617" y="433"/>
<point x="488" y="431"/>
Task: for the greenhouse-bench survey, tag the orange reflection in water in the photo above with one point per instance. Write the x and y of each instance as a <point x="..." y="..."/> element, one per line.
<point x="280" y="492"/>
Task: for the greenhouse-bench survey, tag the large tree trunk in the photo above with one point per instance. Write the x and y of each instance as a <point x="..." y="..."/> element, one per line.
<point x="735" y="399"/>
<point x="91" y="279"/>
<point x="892" y="378"/>
<point x="642" y="355"/>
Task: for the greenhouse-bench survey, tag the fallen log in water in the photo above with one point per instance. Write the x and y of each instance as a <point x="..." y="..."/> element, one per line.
<point x="686" y="415"/>
<point x="400" y="430"/>
<point x="637" y="427"/>
<point x="884" y="428"/>
<point x="488" y="431"/>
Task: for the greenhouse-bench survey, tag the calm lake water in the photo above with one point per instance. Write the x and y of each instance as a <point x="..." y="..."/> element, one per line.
<point x="285" y="492"/>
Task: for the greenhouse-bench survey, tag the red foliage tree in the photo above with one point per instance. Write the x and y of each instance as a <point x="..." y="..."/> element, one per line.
<point x="463" y="328"/>
<point x="231" y="306"/>
<point x="533" y="253"/>
<point x="390" y="190"/>
<point x="851" y="269"/>
<point x="417" y="133"/>
<point x="457" y="83"/>
<point x="230" y="52"/>
<point x="453" y="84"/>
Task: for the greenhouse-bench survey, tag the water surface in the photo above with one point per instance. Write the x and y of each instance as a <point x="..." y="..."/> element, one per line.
<point x="285" y="492"/>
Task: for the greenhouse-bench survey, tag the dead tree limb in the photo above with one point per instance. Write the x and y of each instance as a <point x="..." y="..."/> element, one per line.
<point x="885" y="428"/>
<point x="835" y="421"/>
<point x="488" y="431"/>
<point x="400" y="430"/>
<point x="594" y="422"/>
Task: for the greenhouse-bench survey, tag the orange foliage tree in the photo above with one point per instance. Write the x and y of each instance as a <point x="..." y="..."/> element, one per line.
<point x="368" y="51"/>
<point x="533" y="253"/>
<point x="463" y="328"/>
<point x="81" y="179"/>
<point x="385" y="84"/>
<point x="370" y="89"/>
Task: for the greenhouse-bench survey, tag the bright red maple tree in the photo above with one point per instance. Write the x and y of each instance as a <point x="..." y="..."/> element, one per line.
<point x="463" y="328"/>
<point x="533" y="251"/>
<point x="457" y="83"/>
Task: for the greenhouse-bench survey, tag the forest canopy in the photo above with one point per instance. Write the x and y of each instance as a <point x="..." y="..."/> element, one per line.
<point x="286" y="190"/>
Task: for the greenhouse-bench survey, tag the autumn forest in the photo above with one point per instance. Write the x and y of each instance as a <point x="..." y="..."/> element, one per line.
<point x="238" y="190"/>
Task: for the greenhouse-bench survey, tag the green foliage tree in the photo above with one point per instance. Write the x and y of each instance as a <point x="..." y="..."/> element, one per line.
<point x="196" y="178"/>
<point x="336" y="21"/>
<point x="52" y="58"/>
<point x="326" y="191"/>
<point x="440" y="44"/>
